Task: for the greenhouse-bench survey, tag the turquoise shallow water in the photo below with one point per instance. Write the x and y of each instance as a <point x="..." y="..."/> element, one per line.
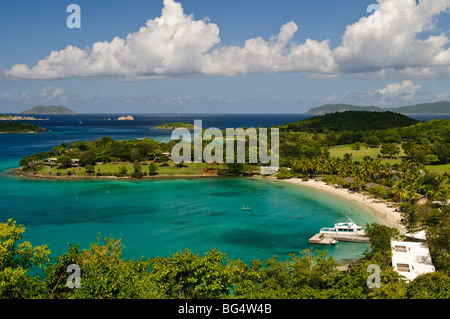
<point x="161" y="217"/>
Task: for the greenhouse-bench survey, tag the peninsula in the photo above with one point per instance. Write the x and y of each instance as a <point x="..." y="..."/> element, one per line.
<point x="442" y="107"/>
<point x="7" y="117"/>
<point x="15" y="127"/>
<point x="175" y="125"/>
<point x="52" y="109"/>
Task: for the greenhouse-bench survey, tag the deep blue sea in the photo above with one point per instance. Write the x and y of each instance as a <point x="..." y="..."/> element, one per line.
<point x="161" y="217"/>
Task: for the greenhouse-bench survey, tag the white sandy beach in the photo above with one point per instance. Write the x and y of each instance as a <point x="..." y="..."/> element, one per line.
<point x="380" y="208"/>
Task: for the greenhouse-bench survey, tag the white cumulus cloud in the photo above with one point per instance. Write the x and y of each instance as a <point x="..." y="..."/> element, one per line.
<point x="176" y="44"/>
<point x="405" y="90"/>
<point x="394" y="42"/>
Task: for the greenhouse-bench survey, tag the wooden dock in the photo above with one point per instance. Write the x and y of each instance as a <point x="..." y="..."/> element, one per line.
<point x="323" y="239"/>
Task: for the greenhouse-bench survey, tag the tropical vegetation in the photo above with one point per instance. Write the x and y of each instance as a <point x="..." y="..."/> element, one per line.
<point x="398" y="173"/>
<point x="105" y="274"/>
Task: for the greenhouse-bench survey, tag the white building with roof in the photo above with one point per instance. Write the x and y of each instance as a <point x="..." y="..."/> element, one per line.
<point x="411" y="259"/>
<point x="269" y="170"/>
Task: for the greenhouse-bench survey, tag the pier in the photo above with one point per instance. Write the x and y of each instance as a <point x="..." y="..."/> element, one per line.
<point x="325" y="239"/>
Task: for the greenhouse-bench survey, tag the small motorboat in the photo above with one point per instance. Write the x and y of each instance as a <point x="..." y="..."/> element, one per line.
<point x="245" y="208"/>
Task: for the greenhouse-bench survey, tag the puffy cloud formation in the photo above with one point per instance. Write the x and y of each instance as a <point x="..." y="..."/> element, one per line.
<point x="175" y="44"/>
<point x="406" y="89"/>
<point x="392" y="42"/>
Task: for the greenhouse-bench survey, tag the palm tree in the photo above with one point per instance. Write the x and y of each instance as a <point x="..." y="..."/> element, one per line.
<point x="410" y="194"/>
<point x="397" y="190"/>
<point x="358" y="178"/>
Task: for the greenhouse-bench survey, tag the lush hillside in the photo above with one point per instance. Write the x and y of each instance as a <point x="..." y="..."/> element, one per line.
<point x="442" y="107"/>
<point x="332" y="108"/>
<point x="351" y="121"/>
<point x="52" y="109"/>
<point x="15" y="127"/>
<point x="430" y="108"/>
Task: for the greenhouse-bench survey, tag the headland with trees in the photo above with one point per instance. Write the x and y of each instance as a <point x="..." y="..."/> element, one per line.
<point x="409" y="168"/>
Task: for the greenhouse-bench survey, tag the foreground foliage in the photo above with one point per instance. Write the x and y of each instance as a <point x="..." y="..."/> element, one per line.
<point x="105" y="274"/>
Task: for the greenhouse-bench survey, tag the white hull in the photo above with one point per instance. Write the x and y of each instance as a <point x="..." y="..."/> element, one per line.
<point x="349" y="229"/>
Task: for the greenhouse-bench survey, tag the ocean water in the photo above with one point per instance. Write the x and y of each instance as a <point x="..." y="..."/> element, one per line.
<point x="161" y="217"/>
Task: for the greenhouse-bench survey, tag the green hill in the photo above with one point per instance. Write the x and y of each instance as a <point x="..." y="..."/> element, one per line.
<point x="332" y="108"/>
<point x="175" y="125"/>
<point x="351" y="121"/>
<point x="16" y="127"/>
<point x="52" y="109"/>
<point x="442" y="107"/>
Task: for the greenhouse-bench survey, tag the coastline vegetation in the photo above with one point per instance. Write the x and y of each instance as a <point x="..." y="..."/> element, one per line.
<point x="406" y="165"/>
<point x="16" y="127"/>
<point x="107" y="275"/>
<point x="174" y="125"/>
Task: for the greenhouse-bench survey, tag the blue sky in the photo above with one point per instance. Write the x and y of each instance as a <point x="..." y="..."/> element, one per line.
<point x="214" y="56"/>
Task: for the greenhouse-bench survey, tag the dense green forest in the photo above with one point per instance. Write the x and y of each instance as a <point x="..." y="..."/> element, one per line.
<point x="421" y="196"/>
<point x="105" y="274"/>
<point x="442" y="107"/>
<point x="174" y="125"/>
<point x="352" y="121"/>
<point x="16" y="127"/>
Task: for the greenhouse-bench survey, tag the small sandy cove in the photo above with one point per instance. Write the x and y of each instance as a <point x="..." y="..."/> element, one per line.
<point x="380" y="208"/>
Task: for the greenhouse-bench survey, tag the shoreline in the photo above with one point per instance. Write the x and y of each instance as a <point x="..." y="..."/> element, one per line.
<point x="15" y="172"/>
<point x="378" y="207"/>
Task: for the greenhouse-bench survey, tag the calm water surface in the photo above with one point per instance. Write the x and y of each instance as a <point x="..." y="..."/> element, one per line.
<point x="161" y="217"/>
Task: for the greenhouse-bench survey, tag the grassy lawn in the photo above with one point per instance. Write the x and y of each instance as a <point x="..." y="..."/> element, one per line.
<point x="358" y="155"/>
<point x="440" y="169"/>
<point x="191" y="169"/>
<point x="110" y="169"/>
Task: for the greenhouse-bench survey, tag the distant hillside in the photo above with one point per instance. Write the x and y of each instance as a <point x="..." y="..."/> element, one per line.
<point x="331" y="108"/>
<point x="424" y="108"/>
<point x="351" y="121"/>
<point x="442" y="107"/>
<point x="52" y="109"/>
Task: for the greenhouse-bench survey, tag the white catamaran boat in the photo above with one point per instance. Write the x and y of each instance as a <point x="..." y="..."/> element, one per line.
<point x="346" y="229"/>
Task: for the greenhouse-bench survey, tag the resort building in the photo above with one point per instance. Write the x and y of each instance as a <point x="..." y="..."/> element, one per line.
<point x="411" y="259"/>
<point x="75" y="162"/>
<point x="267" y="170"/>
<point x="51" y="160"/>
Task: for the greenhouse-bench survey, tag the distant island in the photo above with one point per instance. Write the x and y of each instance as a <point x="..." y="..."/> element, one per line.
<point x="175" y="125"/>
<point x="15" y="127"/>
<point x="351" y="121"/>
<point x="442" y="107"/>
<point x="7" y="117"/>
<point x="126" y="118"/>
<point x="52" y="109"/>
